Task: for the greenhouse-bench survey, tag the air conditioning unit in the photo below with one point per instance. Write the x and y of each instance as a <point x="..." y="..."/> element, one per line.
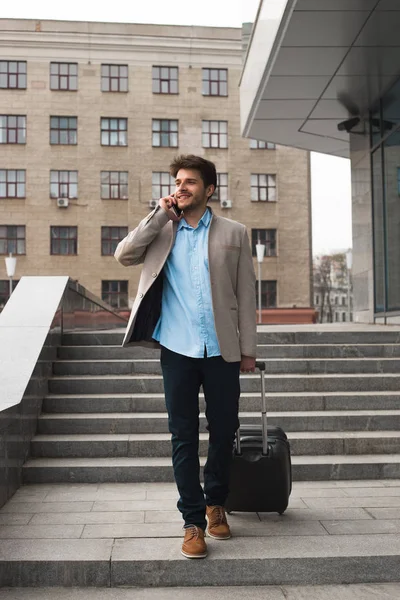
<point x="226" y="203"/>
<point x="62" y="202"/>
<point x="153" y="203"/>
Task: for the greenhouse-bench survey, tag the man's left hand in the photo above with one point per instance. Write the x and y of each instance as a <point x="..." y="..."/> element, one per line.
<point x="247" y="364"/>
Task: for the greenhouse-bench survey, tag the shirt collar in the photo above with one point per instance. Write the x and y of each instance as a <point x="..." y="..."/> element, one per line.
<point x="205" y="220"/>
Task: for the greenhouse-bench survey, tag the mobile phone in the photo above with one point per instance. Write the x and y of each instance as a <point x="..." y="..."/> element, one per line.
<point x="175" y="208"/>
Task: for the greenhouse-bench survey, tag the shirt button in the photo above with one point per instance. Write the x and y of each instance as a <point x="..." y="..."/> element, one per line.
<point x="154" y="275"/>
<point x="140" y="295"/>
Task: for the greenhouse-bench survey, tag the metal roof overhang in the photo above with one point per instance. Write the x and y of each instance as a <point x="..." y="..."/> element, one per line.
<point x="305" y="57"/>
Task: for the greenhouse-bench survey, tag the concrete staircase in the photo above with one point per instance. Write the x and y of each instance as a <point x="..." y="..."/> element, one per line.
<point x="336" y="393"/>
<point x="98" y="508"/>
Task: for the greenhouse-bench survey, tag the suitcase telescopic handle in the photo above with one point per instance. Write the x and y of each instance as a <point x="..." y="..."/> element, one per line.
<point x="262" y="367"/>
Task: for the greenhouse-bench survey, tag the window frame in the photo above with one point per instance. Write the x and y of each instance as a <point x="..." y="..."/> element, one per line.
<point x="8" y="129"/>
<point x="221" y="193"/>
<point x="114" y="78"/>
<point x="261" y="145"/>
<point x="266" y="293"/>
<point x="13" y="240"/>
<point x="60" y="184"/>
<point x="161" y="189"/>
<point x="110" y="240"/>
<point x="259" y="187"/>
<point x="5" y="290"/>
<point x="60" y="238"/>
<point x="110" y="130"/>
<point x="166" y="80"/>
<point x="119" y="185"/>
<point x="208" y="82"/>
<point x="17" y="74"/>
<point x="106" y="295"/>
<point x="70" y="130"/>
<point x="15" y="183"/>
<point x="164" y="132"/>
<point x="271" y="245"/>
<point x="61" y="77"/>
<point x="209" y="124"/>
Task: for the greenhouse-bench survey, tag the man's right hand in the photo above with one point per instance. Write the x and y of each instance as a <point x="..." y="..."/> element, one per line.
<point x="166" y="204"/>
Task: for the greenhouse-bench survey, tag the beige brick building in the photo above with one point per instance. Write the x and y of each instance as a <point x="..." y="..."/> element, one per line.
<point x="92" y="123"/>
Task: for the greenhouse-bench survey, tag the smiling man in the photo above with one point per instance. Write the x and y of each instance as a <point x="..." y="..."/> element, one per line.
<point x="196" y="300"/>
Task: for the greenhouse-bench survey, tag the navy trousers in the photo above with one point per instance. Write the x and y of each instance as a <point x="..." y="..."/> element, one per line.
<point x="183" y="377"/>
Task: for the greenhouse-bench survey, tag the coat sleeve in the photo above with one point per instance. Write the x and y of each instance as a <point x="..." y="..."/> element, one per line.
<point x="132" y="249"/>
<point x="246" y="299"/>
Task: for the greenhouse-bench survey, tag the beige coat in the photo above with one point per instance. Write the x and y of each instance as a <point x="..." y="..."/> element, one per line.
<point x="231" y="274"/>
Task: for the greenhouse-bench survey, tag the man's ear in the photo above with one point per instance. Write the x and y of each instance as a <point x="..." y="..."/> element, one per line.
<point x="210" y="191"/>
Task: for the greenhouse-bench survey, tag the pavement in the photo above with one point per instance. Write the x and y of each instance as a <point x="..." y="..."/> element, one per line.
<point x="137" y="527"/>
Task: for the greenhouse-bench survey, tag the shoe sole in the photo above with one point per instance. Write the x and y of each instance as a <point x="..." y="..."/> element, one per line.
<point x="215" y="537"/>
<point x="193" y="555"/>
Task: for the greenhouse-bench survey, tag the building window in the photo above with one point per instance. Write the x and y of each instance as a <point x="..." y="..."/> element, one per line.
<point x="165" y="133"/>
<point x="260" y="145"/>
<point x="336" y="317"/>
<point x="12" y="239"/>
<point x="162" y="184"/>
<point x="344" y="317"/>
<point x="317" y="299"/>
<point x="5" y="290"/>
<point x="215" y="82"/>
<point x="64" y="76"/>
<point x="165" y="80"/>
<point x="114" y="78"/>
<point x="12" y="75"/>
<point x="215" y="134"/>
<point x="263" y="187"/>
<point x="343" y="300"/>
<point x="114" y="132"/>
<point x="114" y="185"/>
<point x="64" y="240"/>
<point x="12" y="183"/>
<point x="268" y="294"/>
<point x="63" y="184"/>
<point x="115" y="293"/>
<point x="221" y="192"/>
<point x="64" y="130"/>
<point x="110" y="238"/>
<point x="12" y="129"/>
<point x="266" y="237"/>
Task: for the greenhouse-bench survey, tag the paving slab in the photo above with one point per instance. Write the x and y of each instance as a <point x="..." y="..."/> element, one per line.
<point x="383" y="591"/>
<point x="18" y="532"/>
<point x="87" y="518"/>
<point x="369" y="527"/>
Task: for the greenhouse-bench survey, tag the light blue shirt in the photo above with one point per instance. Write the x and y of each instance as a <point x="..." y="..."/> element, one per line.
<point x="186" y="324"/>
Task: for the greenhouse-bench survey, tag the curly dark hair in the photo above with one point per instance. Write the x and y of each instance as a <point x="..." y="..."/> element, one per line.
<point x="206" y="168"/>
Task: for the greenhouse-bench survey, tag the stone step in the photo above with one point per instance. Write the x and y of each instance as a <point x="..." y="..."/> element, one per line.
<point x="273" y="366"/>
<point x="249" y="401"/>
<point x="131" y="384"/>
<point x="157" y="563"/>
<point x="263" y="351"/>
<point x="364" y="591"/>
<point x="128" y="469"/>
<point x="159" y="444"/>
<point x="290" y="334"/>
<point x="74" y="423"/>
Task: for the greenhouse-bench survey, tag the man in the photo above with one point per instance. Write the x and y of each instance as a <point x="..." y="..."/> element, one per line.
<point x="196" y="299"/>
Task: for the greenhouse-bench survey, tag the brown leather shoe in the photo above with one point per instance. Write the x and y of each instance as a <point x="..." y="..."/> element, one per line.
<point x="218" y="527"/>
<point x="194" y="545"/>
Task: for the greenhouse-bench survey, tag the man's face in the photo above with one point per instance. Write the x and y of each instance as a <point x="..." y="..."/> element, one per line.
<point x="190" y="191"/>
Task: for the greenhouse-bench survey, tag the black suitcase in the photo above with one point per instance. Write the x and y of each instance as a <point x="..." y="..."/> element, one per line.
<point x="261" y="472"/>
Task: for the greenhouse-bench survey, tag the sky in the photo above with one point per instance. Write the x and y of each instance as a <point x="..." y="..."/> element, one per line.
<point x="330" y="176"/>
